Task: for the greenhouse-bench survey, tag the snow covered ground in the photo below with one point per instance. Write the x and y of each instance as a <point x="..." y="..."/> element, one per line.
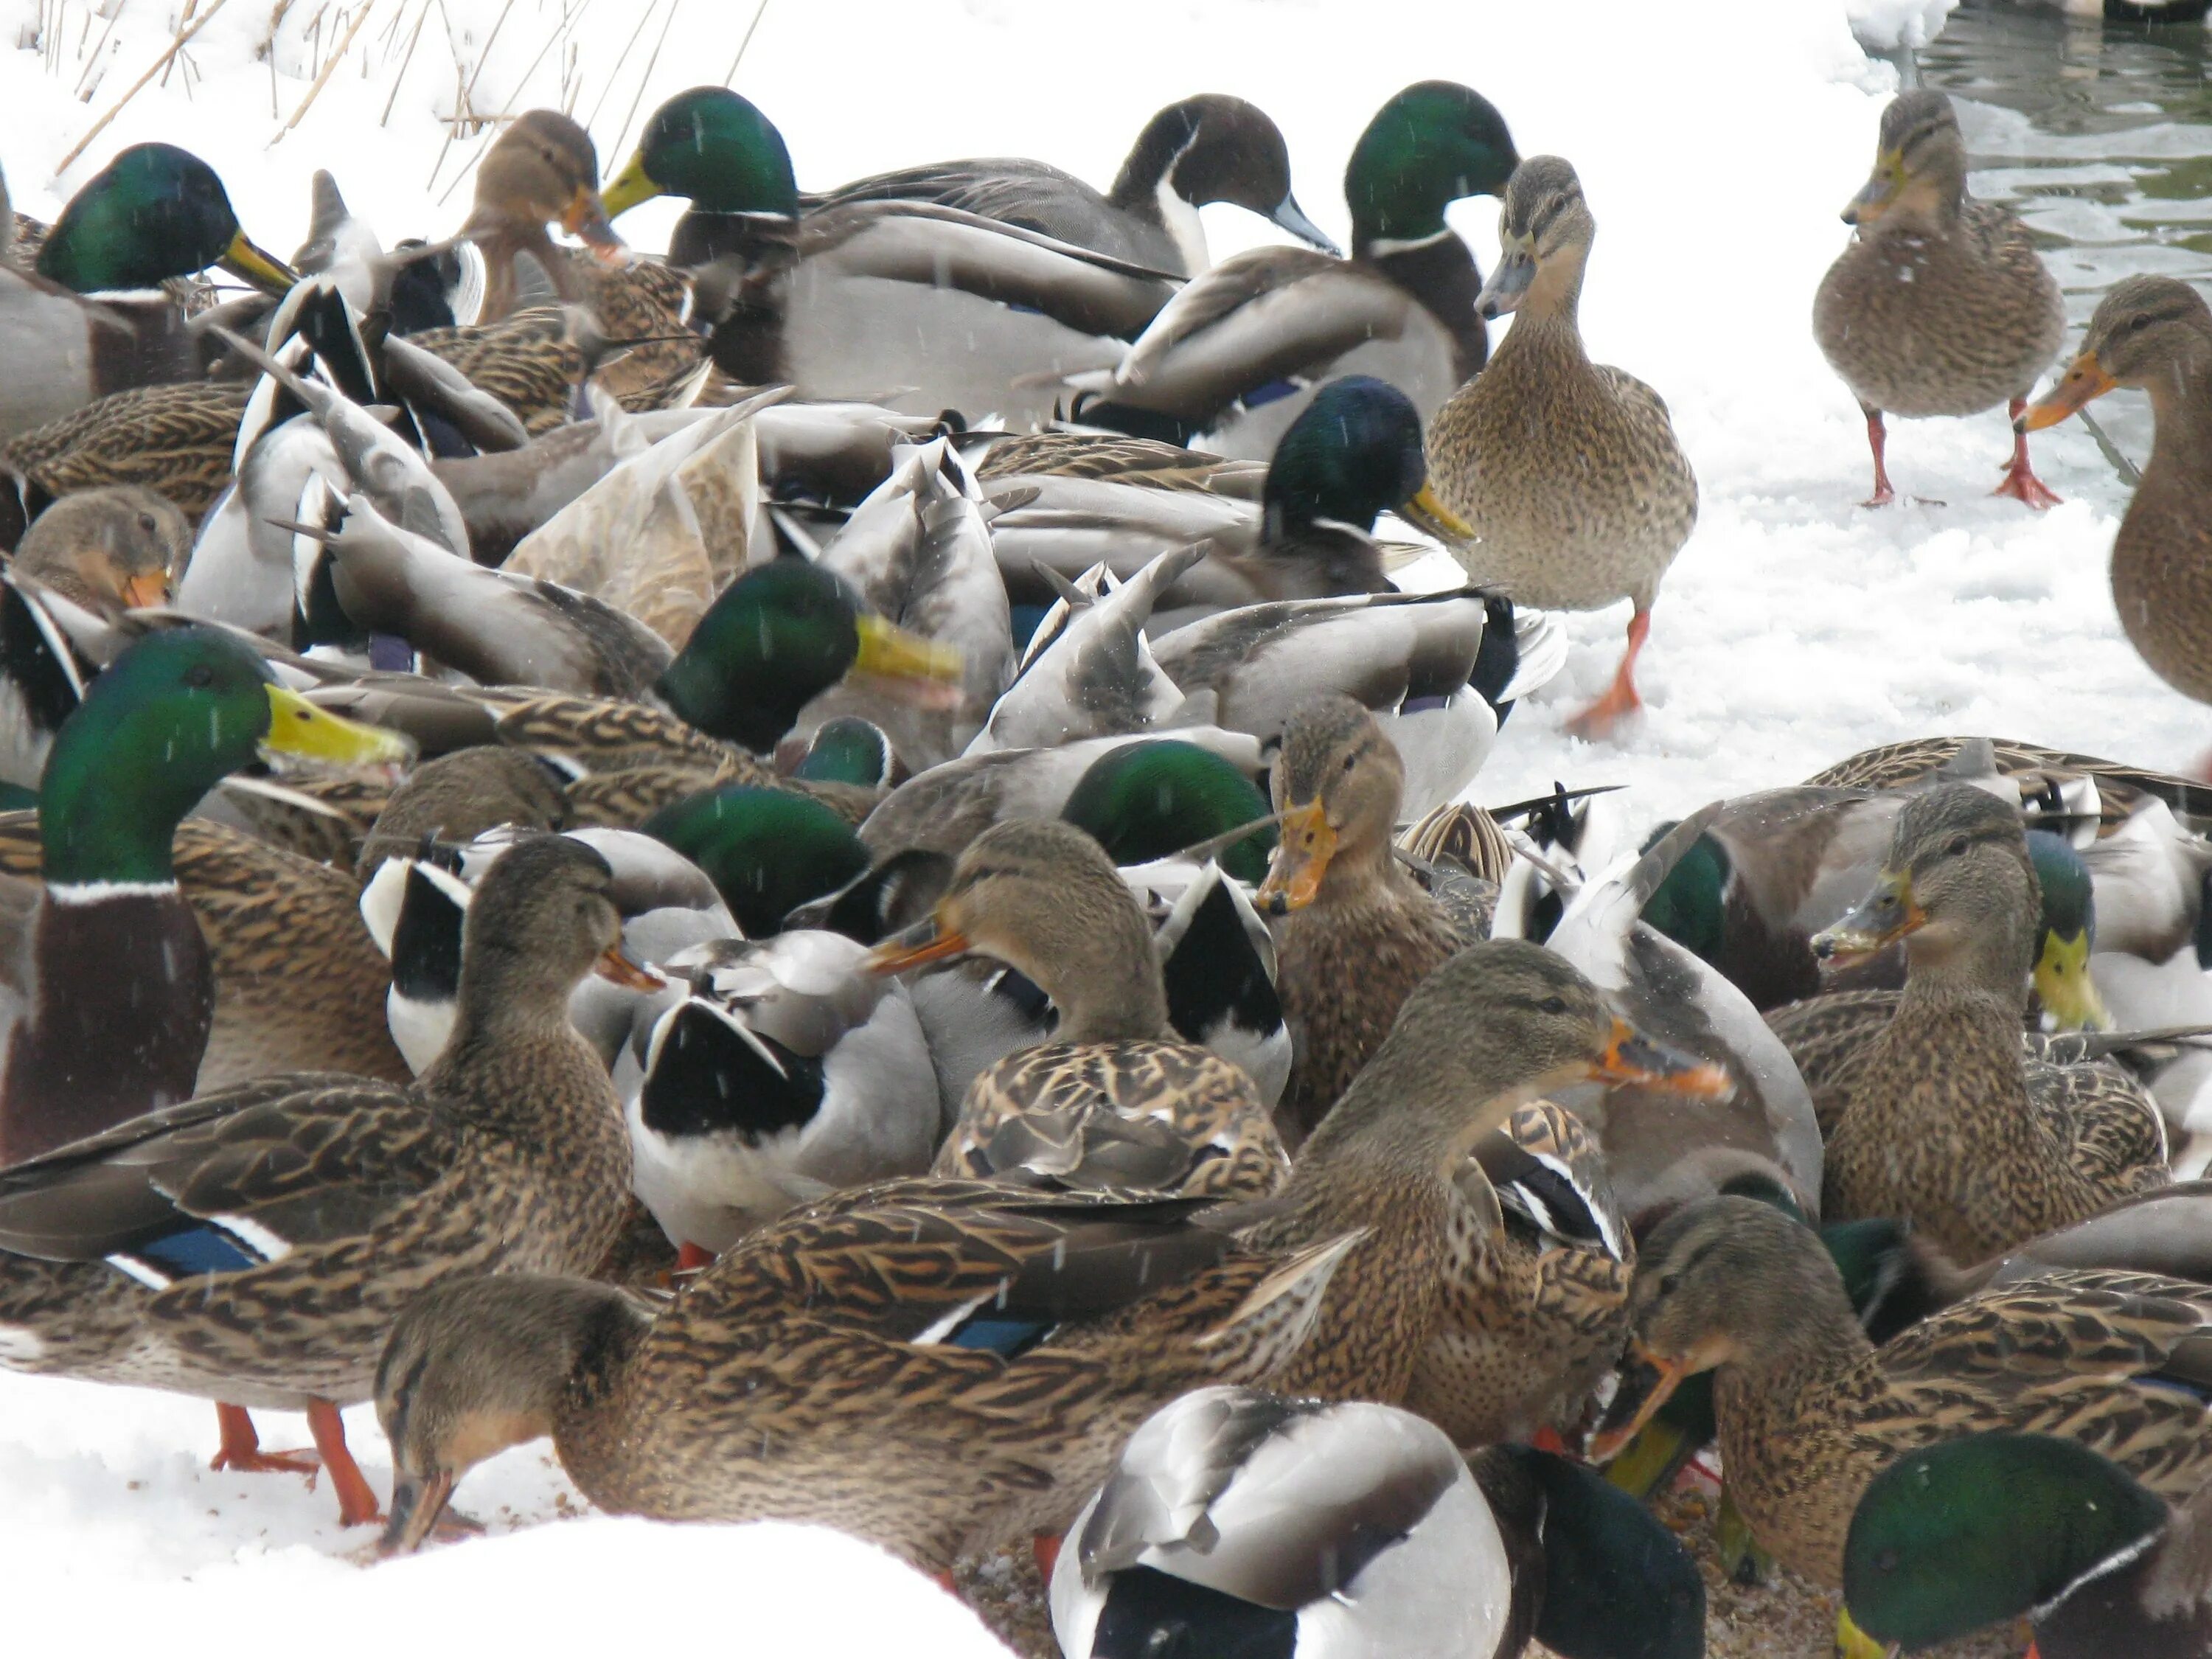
<point x="1716" y="142"/>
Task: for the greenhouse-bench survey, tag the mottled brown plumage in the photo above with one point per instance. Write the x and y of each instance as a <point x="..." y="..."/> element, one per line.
<point x="2154" y="334"/>
<point x="175" y="439"/>
<point x="1810" y="1410"/>
<point x="1116" y="1100"/>
<point x="1568" y="471"/>
<point x="1359" y="933"/>
<point x="1940" y="306"/>
<point x="1938" y="1119"/>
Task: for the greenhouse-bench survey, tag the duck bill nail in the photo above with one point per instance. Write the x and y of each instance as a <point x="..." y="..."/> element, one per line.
<point x="1302" y="856"/>
<point x="926" y="941"/>
<point x="1668" y="1375"/>
<point x="417" y="1501"/>
<point x="251" y="265"/>
<point x="616" y="968"/>
<point x="2083" y="383"/>
<point x="889" y="651"/>
<point x="1510" y="283"/>
<point x="298" y="728"/>
<point x="1290" y="216"/>
<point x="148" y="593"/>
<point x="1425" y="512"/>
<point x="1630" y="1057"/>
<point x="629" y="187"/>
<point x="2069" y="995"/>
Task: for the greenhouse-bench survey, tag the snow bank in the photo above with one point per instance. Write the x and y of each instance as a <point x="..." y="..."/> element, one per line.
<point x="1886" y="25"/>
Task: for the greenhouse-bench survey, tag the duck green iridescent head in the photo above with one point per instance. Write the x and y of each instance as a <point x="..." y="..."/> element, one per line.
<point x="2065" y="935"/>
<point x="1147" y="800"/>
<point x="1690" y="907"/>
<point x="174" y="715"/>
<point x="713" y="147"/>
<point x="1435" y="143"/>
<point x="154" y="212"/>
<point x="1965" y="1535"/>
<point x="777" y="636"/>
<point x="767" y="851"/>
<point x="1354" y="453"/>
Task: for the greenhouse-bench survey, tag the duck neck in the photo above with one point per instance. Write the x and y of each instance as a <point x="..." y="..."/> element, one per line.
<point x="1409" y="1120"/>
<point x="500" y="247"/>
<point x="1106" y="982"/>
<point x="1439" y="273"/>
<point x="511" y="1033"/>
<point x="1363" y="874"/>
<point x="107" y="814"/>
<point x="1776" y="1352"/>
<point x="1554" y="301"/>
<point x="2181" y="409"/>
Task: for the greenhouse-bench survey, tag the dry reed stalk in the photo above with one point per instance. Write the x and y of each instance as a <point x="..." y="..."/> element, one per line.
<point x="759" y="12"/>
<point x="644" y="17"/>
<point x="644" y="79"/>
<point x="89" y="82"/>
<point x="191" y="6"/>
<point x="178" y="44"/>
<point x="330" y="63"/>
<point x="421" y="18"/>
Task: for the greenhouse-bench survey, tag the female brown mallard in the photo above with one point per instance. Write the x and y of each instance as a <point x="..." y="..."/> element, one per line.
<point x="1811" y="1409"/>
<point x="1568" y="471"/>
<point x="1938" y="1117"/>
<point x="1357" y="932"/>
<point x="987" y="1349"/>
<point x="1940" y="306"/>
<point x="176" y="441"/>
<point x="2155" y="334"/>
<point x="1116" y="1099"/>
<point x="253" y="1246"/>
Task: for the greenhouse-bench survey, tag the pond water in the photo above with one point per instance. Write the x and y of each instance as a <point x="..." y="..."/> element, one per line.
<point x="2099" y="135"/>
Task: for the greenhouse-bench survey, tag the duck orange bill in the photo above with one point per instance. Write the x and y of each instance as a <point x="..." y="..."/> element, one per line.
<point x="1308" y="843"/>
<point x="417" y="1501"/>
<point x="1632" y="1057"/>
<point x="927" y="940"/>
<point x="2082" y="385"/>
<point x="146" y="592"/>
<point x="585" y="216"/>
<point x="614" y="966"/>
<point x="1650" y="1381"/>
<point x="1881" y="919"/>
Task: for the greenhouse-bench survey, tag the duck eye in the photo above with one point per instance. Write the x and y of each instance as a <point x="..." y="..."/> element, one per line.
<point x="2137" y="322"/>
<point x="146" y="523"/>
<point x="1351" y="761"/>
<point x="1669" y="1283"/>
<point x="1957" y="849"/>
<point x="199" y="675"/>
<point x="1885" y="1560"/>
<point x="1553" y="1005"/>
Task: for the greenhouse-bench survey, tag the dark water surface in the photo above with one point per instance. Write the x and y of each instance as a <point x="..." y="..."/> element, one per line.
<point x="2099" y="135"/>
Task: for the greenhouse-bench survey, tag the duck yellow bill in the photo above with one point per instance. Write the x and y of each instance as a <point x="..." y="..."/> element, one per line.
<point x="1308" y="843"/>
<point x="417" y="1501"/>
<point x="299" y="729"/>
<point x="2083" y="383"/>
<point x="1669" y="1374"/>
<point x="618" y="969"/>
<point x="889" y="651"/>
<point x="1883" y="917"/>
<point x="250" y="264"/>
<point x="928" y="940"/>
<point x="1852" y="1643"/>
<point x="632" y="185"/>
<point x="1632" y="1058"/>
<point x="1425" y="512"/>
<point x="2062" y="985"/>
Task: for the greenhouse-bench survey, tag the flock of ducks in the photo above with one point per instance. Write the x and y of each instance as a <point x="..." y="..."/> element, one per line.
<point x="830" y="869"/>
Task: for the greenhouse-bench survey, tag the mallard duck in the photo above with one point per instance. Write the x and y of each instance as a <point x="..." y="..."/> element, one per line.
<point x="1003" y="1341"/>
<point x="253" y="1246"/>
<point x="1567" y="471"/>
<point x="1235" y="355"/>
<point x="1236" y="1521"/>
<point x="1938" y="1118"/>
<point x="785" y="1072"/>
<point x="152" y="213"/>
<point x="1940" y="304"/>
<point x="416" y="910"/>
<point x="1353" y="454"/>
<point x="1198" y="151"/>
<point x="1357" y="933"/>
<point x="111" y="987"/>
<point x="1116" y="1099"/>
<point x="768" y="851"/>
<point x="2025" y="1526"/>
<point x="922" y="307"/>
<point x="177" y="441"/>
<point x="1643" y="496"/>
<point x="1811" y="1410"/>
<point x="1152" y="800"/>
<point x="102" y="552"/>
<point x="1661" y="1151"/>
<point x="2155" y="334"/>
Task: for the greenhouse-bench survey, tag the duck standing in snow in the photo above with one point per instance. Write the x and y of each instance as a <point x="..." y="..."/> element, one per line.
<point x="1940" y="305"/>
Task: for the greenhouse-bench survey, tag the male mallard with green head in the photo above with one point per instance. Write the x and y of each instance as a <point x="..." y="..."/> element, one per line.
<point x="1940" y="306"/>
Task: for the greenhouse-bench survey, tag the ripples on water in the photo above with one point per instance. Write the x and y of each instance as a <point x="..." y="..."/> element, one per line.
<point x="2099" y="135"/>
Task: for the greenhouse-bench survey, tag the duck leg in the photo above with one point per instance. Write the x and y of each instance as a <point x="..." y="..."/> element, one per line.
<point x="241" y="1449"/>
<point x="1878" y="440"/>
<point x="1602" y="717"/>
<point x="2019" y="480"/>
<point x="357" y="1506"/>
